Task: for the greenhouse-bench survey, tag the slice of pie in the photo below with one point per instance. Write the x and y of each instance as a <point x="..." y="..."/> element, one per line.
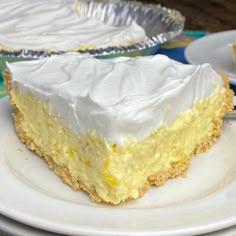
<point x="115" y="127"/>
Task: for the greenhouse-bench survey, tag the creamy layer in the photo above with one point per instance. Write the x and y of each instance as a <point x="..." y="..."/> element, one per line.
<point x="116" y="98"/>
<point x="57" y="25"/>
<point x="116" y="172"/>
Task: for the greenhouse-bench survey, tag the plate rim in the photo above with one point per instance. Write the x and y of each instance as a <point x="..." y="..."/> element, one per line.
<point x="207" y="37"/>
<point x="13" y="227"/>
<point x="36" y="221"/>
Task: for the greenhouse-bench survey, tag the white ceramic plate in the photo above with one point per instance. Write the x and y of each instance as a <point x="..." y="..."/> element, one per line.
<point x="18" y="229"/>
<point x="214" y="49"/>
<point x="203" y="202"/>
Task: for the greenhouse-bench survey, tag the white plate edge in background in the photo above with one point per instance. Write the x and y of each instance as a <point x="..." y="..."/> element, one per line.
<point x="196" y="54"/>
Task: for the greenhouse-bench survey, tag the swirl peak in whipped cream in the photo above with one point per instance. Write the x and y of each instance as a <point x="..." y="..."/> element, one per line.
<point x="115" y="97"/>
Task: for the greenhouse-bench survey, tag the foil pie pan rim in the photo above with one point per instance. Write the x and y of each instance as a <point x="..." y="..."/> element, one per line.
<point x="173" y="17"/>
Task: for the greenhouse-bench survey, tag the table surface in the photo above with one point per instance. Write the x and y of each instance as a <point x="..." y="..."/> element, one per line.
<point x="204" y="15"/>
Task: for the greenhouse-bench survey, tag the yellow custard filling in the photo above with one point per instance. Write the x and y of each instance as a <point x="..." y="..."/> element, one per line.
<point x="119" y="172"/>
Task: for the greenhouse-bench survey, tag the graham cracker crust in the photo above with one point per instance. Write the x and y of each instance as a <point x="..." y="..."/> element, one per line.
<point x="157" y="179"/>
<point x="234" y="51"/>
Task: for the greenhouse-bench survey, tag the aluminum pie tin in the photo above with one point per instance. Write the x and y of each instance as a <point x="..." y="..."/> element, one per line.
<point x="160" y="24"/>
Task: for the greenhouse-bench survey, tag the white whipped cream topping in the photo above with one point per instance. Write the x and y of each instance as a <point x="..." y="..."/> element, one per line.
<point x="115" y="97"/>
<point x="56" y="25"/>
